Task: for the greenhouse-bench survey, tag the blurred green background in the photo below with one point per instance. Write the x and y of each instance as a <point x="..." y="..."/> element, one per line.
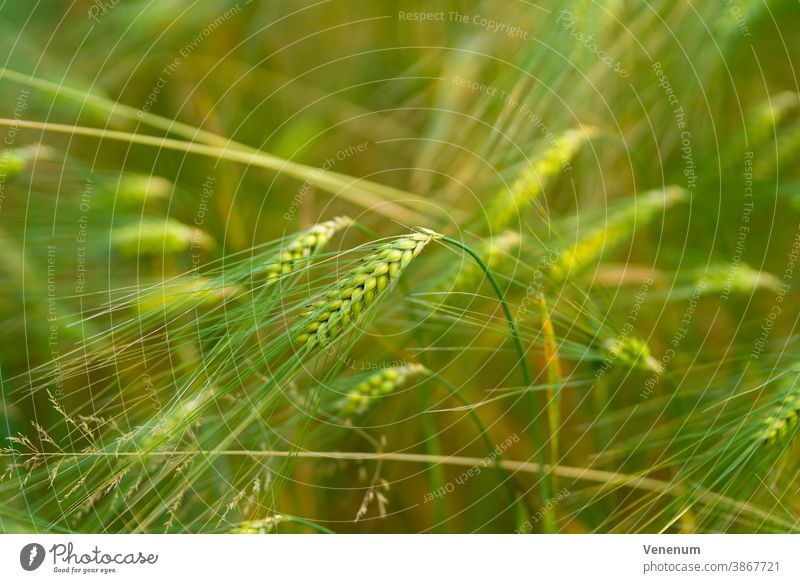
<point x="237" y="123"/>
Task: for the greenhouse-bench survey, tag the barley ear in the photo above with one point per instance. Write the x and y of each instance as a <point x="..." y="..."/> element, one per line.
<point x="16" y="160"/>
<point x="137" y="188"/>
<point x="158" y="236"/>
<point x="531" y="182"/>
<point x="303" y="245"/>
<point x="632" y="353"/>
<point x="619" y="227"/>
<point x="779" y="426"/>
<point x="384" y="382"/>
<point x="362" y="288"/>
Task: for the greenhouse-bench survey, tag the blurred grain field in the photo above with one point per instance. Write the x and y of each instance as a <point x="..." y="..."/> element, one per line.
<point x="350" y="266"/>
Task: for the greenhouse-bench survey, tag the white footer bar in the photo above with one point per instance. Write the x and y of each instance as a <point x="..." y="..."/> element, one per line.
<point x="406" y="558"/>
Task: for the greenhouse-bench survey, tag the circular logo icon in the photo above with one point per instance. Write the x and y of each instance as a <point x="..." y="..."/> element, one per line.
<point x="31" y="556"/>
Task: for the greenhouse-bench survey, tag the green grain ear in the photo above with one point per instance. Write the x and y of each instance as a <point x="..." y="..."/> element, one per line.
<point x="781" y="423"/>
<point x="619" y="226"/>
<point x="362" y="288"/>
<point x="531" y="182"/>
<point x="303" y="245"/>
<point x="156" y="237"/>
<point x="14" y="161"/>
<point x="385" y="382"/>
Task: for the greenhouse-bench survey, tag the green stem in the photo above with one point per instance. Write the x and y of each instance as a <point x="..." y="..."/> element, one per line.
<point x="435" y="475"/>
<point x="360" y="193"/>
<point x="523" y="362"/>
<point x="484" y="433"/>
<point x="308" y="523"/>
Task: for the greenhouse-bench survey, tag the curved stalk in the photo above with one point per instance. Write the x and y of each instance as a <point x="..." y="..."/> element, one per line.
<point x="523" y="362"/>
<point x="547" y="482"/>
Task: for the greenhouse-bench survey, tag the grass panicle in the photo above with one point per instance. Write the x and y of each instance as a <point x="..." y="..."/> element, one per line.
<point x="735" y="278"/>
<point x="14" y="161"/>
<point x="183" y="293"/>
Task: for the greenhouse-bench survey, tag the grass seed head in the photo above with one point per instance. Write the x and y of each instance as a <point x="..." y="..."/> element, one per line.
<point x="11" y="164"/>
<point x="532" y="180"/>
<point x="136" y="188"/>
<point x="783" y="419"/>
<point x="764" y="118"/>
<point x="264" y="526"/>
<point x="304" y="245"/>
<point x="737" y="278"/>
<point x="157" y="237"/>
<point x="13" y="161"/>
<point x="632" y="353"/>
<point x="383" y="382"/>
<point x="355" y="293"/>
<point x="185" y="293"/>
<point x="620" y="226"/>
